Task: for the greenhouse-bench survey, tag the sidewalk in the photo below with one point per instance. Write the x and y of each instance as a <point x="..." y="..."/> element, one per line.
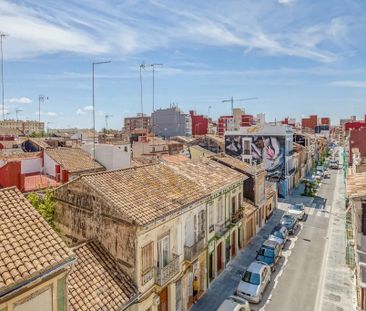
<point x="226" y="283"/>
<point x="338" y="289"/>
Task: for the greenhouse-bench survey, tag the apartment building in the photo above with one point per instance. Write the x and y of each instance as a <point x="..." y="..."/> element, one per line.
<point x="159" y="234"/>
<point x="269" y="144"/>
<point x="27" y="127"/>
<point x="141" y="121"/>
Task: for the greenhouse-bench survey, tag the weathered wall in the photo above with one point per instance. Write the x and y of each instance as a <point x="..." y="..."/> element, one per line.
<point x="81" y="214"/>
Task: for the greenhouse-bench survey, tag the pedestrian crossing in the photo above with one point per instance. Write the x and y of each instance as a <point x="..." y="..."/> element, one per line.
<point x="313" y="211"/>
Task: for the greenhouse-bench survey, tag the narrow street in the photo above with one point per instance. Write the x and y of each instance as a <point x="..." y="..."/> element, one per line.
<point x="312" y="274"/>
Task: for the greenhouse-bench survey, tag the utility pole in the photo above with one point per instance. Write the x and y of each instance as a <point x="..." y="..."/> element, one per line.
<point x="2" y="36"/>
<point x="153" y="101"/>
<point x="232" y="100"/>
<point x="93" y="94"/>
<point x="41" y="98"/>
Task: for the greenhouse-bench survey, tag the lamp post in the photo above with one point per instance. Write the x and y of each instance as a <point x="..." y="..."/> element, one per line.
<point x="153" y="99"/>
<point x="93" y="91"/>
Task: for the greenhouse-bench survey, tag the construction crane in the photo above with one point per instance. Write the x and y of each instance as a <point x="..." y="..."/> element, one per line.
<point x="107" y="116"/>
<point x="17" y="112"/>
<point x="232" y="100"/>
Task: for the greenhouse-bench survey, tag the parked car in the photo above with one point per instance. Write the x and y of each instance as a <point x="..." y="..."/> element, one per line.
<point x="254" y="281"/>
<point x="234" y="303"/>
<point x="290" y="222"/>
<point x="333" y="164"/>
<point x="297" y="210"/>
<point x="279" y="234"/>
<point x="269" y="253"/>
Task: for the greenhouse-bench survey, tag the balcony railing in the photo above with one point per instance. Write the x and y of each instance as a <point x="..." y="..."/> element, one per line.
<point x="192" y="252"/>
<point x="237" y="216"/>
<point x="163" y="275"/>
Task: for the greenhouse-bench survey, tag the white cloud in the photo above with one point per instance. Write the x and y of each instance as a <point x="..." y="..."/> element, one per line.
<point x="80" y="111"/>
<point x="51" y="114"/>
<point x="88" y="108"/>
<point x="349" y="83"/>
<point x="19" y="100"/>
<point x="132" y="27"/>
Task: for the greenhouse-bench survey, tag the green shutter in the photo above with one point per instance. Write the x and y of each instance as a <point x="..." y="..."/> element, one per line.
<point x="61" y="294"/>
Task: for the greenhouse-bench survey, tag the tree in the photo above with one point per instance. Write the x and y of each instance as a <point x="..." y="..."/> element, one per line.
<point x="44" y="205"/>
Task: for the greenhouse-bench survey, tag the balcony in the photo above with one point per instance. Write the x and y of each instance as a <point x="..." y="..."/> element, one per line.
<point x="221" y="229"/>
<point x="192" y="252"/>
<point x="237" y="216"/>
<point x="163" y="275"/>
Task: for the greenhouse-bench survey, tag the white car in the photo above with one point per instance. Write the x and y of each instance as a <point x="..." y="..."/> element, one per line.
<point x="234" y="303"/>
<point x="297" y="210"/>
<point x="254" y="281"/>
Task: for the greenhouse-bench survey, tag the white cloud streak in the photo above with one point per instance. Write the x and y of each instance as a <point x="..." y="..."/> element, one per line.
<point x="349" y="83"/>
<point x="19" y="100"/>
<point x="103" y="28"/>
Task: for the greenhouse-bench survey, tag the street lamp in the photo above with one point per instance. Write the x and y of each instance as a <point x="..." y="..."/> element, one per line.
<point x="2" y="36"/>
<point x="93" y="91"/>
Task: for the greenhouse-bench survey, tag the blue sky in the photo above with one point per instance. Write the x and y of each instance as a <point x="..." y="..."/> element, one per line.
<point x="298" y="57"/>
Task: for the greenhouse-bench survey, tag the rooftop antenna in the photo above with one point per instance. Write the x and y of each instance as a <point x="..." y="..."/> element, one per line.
<point x="107" y="116"/>
<point x="17" y="113"/>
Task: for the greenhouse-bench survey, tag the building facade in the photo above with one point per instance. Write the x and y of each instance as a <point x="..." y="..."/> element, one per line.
<point x="170" y="122"/>
<point x="141" y="121"/>
<point x="27" y="127"/>
<point x="271" y="145"/>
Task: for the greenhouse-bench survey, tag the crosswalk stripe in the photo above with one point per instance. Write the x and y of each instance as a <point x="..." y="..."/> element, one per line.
<point x="326" y="215"/>
<point x="311" y="211"/>
<point x="319" y="213"/>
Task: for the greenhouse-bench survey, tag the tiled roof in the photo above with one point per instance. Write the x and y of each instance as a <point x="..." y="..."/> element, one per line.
<point x="239" y="165"/>
<point x="249" y="208"/>
<point x="28" y="245"/>
<point x="356" y="185"/>
<point x="144" y="194"/>
<point x="40" y="143"/>
<point x="205" y="152"/>
<point x="269" y="192"/>
<point x="10" y="131"/>
<point x="210" y="175"/>
<point x="96" y="282"/>
<point x="73" y="159"/>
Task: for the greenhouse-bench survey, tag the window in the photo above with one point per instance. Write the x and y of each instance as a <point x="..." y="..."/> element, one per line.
<point x="220" y="210"/>
<point x="210" y="214"/>
<point x="147" y="257"/>
<point x="163" y="252"/>
<point x="201" y="224"/>
<point x="246" y="149"/>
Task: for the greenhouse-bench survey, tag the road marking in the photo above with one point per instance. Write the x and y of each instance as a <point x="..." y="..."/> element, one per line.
<point x="319" y="213"/>
<point x="311" y="211"/>
<point x="326" y="215"/>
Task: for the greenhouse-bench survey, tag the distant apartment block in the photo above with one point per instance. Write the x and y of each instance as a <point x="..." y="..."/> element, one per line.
<point x="170" y="122"/>
<point x="314" y="123"/>
<point x="200" y="123"/>
<point x="26" y="127"/>
<point x="141" y="121"/>
<point x="234" y="122"/>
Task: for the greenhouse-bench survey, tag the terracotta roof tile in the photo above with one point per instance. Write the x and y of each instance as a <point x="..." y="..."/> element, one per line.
<point x="23" y="256"/>
<point x="143" y="194"/>
<point x="97" y="282"/>
<point x="356" y="185"/>
<point x="73" y="159"/>
<point x="210" y="175"/>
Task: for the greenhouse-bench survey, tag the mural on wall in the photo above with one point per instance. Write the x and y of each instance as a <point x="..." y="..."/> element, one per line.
<point x="267" y="149"/>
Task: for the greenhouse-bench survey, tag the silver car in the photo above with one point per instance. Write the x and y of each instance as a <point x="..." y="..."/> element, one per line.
<point x="254" y="282"/>
<point x="234" y="303"/>
<point x="297" y="210"/>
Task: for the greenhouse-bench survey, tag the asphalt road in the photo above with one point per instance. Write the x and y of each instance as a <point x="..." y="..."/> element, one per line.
<point x="300" y="281"/>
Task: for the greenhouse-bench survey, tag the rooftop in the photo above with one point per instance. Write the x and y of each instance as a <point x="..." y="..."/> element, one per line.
<point x="143" y="194"/>
<point x="96" y="282"/>
<point x="239" y="165"/>
<point x="28" y="245"/>
<point x="210" y="175"/>
<point x="356" y="185"/>
<point x="38" y="182"/>
<point x="73" y="159"/>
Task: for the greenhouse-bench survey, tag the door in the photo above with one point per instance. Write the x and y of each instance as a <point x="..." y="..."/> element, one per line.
<point x="227" y="250"/>
<point x="163" y="252"/>
<point x="211" y="266"/>
<point x="233" y="244"/>
<point x="163" y="306"/>
<point x="219" y="257"/>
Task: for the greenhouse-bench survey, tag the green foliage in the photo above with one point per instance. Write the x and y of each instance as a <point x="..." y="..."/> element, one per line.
<point x="44" y="205"/>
